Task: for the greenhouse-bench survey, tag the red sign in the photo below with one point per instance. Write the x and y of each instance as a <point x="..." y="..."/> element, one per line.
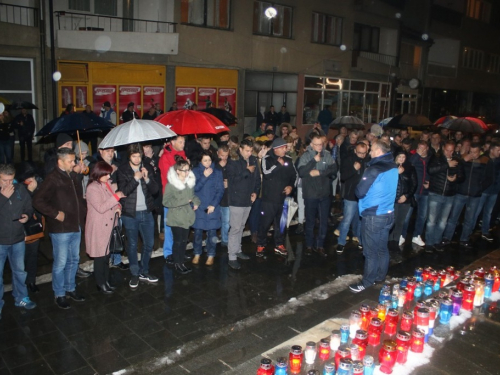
<point x="66" y="95"/>
<point x="153" y="95"/>
<point x="129" y="94"/>
<point x="81" y="96"/>
<point x="101" y="94"/>
<point x="227" y="100"/>
<point x="185" y="97"/>
<point x="205" y="96"/>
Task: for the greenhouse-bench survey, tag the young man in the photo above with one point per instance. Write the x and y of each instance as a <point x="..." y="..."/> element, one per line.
<point x="222" y="159"/>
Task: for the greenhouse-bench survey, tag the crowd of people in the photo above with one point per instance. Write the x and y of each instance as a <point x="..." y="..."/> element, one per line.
<point x="216" y="187"/>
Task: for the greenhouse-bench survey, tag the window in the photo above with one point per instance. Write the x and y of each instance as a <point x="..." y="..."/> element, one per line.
<point x="206" y="13"/>
<point x="479" y="10"/>
<point x="472" y="58"/>
<point x="104" y="7"/>
<point x="279" y="26"/>
<point x="493" y="63"/>
<point x="326" y="29"/>
<point x="79" y="5"/>
<point x="366" y="38"/>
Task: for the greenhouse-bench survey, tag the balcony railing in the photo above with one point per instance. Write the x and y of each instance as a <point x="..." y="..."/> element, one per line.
<point x="94" y="22"/>
<point x="20" y="15"/>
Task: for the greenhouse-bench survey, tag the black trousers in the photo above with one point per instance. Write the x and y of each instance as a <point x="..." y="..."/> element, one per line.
<point x="270" y="213"/>
<point x="31" y="261"/>
<point x="101" y="270"/>
<point x="26" y="143"/>
<point x="180" y="237"/>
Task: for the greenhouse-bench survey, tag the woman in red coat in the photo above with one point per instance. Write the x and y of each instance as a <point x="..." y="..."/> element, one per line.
<point x="102" y="204"/>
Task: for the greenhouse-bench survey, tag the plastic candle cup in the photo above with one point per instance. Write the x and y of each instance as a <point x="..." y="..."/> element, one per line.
<point x="420" y="303"/>
<point x="496" y="282"/>
<point x="437" y="285"/>
<point x="395" y="289"/>
<point x="410" y="290"/>
<point x="335" y="340"/>
<point x="479" y="296"/>
<point x="344" y="367"/>
<point x="418" y="273"/>
<point x="354" y="323"/>
<point x="295" y="359"/>
<point x="344" y="333"/>
<point x="387" y="356"/>
<point x="369" y="365"/>
<point x="384" y="296"/>
<point x="406" y="321"/>
<point x="391" y="322"/>
<point x="468" y="297"/>
<point x="449" y="278"/>
<point x="357" y="368"/>
<point x="324" y="349"/>
<point x="329" y="369"/>
<point x="479" y="272"/>
<point x="266" y="368"/>
<point x="442" y="278"/>
<point x="365" y="316"/>
<point x="403" y="283"/>
<point x="429" y="288"/>
<point x="488" y="287"/>
<point x="457" y="275"/>
<point x="374" y="332"/>
<point x="395" y="301"/>
<point x="432" y="315"/>
<point x="402" y="345"/>
<point x="426" y="273"/>
<point x="361" y="340"/>
<point x="417" y="342"/>
<point x="401" y="297"/>
<point x="354" y="350"/>
<point x="381" y="312"/>
<point x="422" y="321"/>
<point x="456" y="297"/>
<point x="310" y="352"/>
<point x="445" y="310"/>
<point x="417" y="293"/>
<point x="342" y="353"/>
<point x="281" y="366"/>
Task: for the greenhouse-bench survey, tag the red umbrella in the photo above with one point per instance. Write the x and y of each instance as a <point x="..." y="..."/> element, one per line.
<point x="444" y="119"/>
<point x="466" y="125"/>
<point x="187" y="121"/>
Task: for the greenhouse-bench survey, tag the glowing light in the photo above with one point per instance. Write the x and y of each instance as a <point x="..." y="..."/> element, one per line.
<point x="56" y="76"/>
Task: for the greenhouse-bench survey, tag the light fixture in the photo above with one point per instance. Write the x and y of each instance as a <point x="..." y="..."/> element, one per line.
<point x="425" y="36"/>
<point x="271" y="12"/>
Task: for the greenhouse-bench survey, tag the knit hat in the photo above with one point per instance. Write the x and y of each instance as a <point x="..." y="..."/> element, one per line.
<point x="83" y="146"/>
<point x="278" y="142"/>
<point x="62" y="138"/>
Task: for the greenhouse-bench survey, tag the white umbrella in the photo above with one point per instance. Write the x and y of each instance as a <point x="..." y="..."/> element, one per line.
<point x="136" y="131"/>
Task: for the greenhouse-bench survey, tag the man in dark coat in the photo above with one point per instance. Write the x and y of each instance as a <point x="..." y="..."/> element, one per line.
<point x="25" y="125"/>
<point x="279" y="176"/>
<point x="129" y="114"/>
<point x="272" y="117"/>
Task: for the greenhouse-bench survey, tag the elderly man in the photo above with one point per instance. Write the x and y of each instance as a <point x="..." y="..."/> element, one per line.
<point x="376" y="192"/>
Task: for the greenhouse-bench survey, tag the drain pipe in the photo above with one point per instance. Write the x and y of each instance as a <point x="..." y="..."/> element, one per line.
<point x="53" y="58"/>
<point x="43" y="63"/>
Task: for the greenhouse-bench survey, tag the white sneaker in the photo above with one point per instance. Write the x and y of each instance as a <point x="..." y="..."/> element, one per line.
<point x="401" y="240"/>
<point x="418" y="241"/>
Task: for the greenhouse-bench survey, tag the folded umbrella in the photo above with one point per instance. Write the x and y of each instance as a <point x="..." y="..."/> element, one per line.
<point x="187" y="121"/>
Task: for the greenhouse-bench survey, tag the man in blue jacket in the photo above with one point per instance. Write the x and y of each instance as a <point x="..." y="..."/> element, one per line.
<point x="376" y="192"/>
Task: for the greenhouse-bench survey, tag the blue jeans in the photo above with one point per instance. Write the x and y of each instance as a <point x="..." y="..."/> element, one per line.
<point x="224" y="230"/>
<point x="169" y="239"/>
<point x="210" y="243"/>
<point x="422" y="206"/>
<point x="66" y="252"/>
<point x="142" y="223"/>
<point x="437" y="217"/>
<point x="318" y="207"/>
<point x="5" y="152"/>
<point x="375" y="232"/>
<point x="486" y="203"/>
<point x="459" y="202"/>
<point x="351" y="217"/>
<point x="254" y="217"/>
<point x="15" y="253"/>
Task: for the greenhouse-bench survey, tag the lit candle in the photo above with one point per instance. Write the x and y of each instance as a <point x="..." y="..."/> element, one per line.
<point x="354" y="350"/>
<point x="422" y="321"/>
<point x="381" y="312"/>
<point x="402" y="345"/>
<point x="418" y="291"/>
<point x="281" y="366"/>
<point x="391" y="322"/>
<point x="445" y="310"/>
<point x="395" y="289"/>
<point x="479" y="296"/>
<point x="450" y="270"/>
<point x="479" y="272"/>
<point x="357" y="368"/>
<point x="406" y="321"/>
<point x="418" y="273"/>
<point x="496" y="283"/>
<point x="387" y="357"/>
<point x="374" y="332"/>
<point x="432" y="314"/>
<point x="426" y="273"/>
<point x="403" y="283"/>
<point x="410" y="289"/>
<point x="369" y="365"/>
<point x="401" y="297"/>
<point x="295" y="359"/>
<point x="417" y="343"/>
<point x="429" y="288"/>
<point x="384" y="296"/>
<point x="449" y="278"/>
<point x="361" y="340"/>
<point x="365" y="316"/>
<point x="324" y="349"/>
<point x="354" y="323"/>
<point x="266" y="368"/>
<point x="310" y="352"/>
<point x="342" y="353"/>
<point x="457" y="275"/>
<point x="335" y="340"/>
<point x="442" y="278"/>
<point x="456" y="297"/>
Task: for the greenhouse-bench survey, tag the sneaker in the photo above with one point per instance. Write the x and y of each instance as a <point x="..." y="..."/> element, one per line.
<point x="355" y="239"/>
<point x="401" y="240"/>
<point x="148" y="277"/>
<point x="234" y="264"/>
<point x="339" y="249"/>
<point x="445" y="242"/>
<point x="418" y="241"/>
<point x="429" y="249"/>
<point x="281" y="250"/>
<point x="466" y="244"/>
<point x="182" y="269"/>
<point x="62" y="303"/>
<point x="356" y="288"/>
<point x="336" y="232"/>
<point x="260" y="251"/>
<point x="121" y="266"/>
<point x="488" y="237"/>
<point x="241" y="255"/>
<point x="134" y="282"/>
<point x="26" y="303"/>
<point x="360" y="247"/>
<point x="75" y="296"/>
<point x="196" y="259"/>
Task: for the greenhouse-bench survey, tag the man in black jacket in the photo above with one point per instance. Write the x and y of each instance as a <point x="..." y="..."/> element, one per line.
<point x="479" y="175"/>
<point x="243" y="188"/>
<point x="279" y="178"/>
<point x="222" y="159"/>
<point x="446" y="172"/>
<point x="137" y="206"/>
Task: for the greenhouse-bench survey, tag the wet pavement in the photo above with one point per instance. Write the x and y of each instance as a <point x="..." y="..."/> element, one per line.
<point x="214" y="319"/>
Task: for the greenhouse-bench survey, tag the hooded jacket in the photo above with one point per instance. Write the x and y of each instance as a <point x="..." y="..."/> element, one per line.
<point x="439" y="170"/>
<point x="317" y="187"/>
<point x="275" y="177"/>
<point x="179" y="198"/>
<point x="167" y="160"/>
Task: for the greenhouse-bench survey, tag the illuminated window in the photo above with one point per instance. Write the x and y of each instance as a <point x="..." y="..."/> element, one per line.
<point x="326" y="29"/>
<point x="479" y="10"/>
<point x="279" y="26"/>
<point x="206" y="13"/>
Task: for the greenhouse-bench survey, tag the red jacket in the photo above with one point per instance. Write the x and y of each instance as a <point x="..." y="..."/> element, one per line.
<point x="166" y="161"/>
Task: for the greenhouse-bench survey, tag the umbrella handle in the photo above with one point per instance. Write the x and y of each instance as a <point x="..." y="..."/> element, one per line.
<point x="79" y="145"/>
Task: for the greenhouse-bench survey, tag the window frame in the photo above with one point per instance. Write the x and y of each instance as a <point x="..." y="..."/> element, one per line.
<point x="314" y="27"/>
<point x="358" y="28"/>
<point x="473" y="58"/>
<point x="479" y="10"/>
<point x="92" y="8"/>
<point x="263" y="5"/>
<point x="185" y="13"/>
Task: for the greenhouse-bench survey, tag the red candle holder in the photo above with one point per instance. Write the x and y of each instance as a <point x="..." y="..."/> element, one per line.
<point x="457" y="275"/>
<point x="406" y="321"/>
<point x="426" y="273"/>
<point x="422" y="319"/>
<point x="479" y="272"/>
<point x="324" y="349"/>
<point x="381" y="312"/>
<point x="391" y="322"/>
<point x="295" y="359"/>
<point x="374" y="332"/>
<point x="417" y="342"/>
<point x="462" y="283"/>
<point x="433" y="307"/>
<point x="442" y="276"/>
<point x="365" y="316"/>
<point x="402" y="345"/>
<point x="342" y="352"/>
<point x="266" y="368"/>
<point x="450" y="269"/>
<point x="361" y="340"/>
<point x="419" y="305"/>
<point x="410" y="289"/>
<point x="469" y="293"/>
<point x="354" y="350"/>
<point x="496" y="281"/>
<point x="387" y="356"/>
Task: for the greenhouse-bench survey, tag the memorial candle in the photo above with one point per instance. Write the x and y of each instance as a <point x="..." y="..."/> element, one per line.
<point x="324" y="349"/>
<point x="374" y="332"/>
<point x="391" y="322"/>
<point x="417" y="342"/>
<point x="335" y="340"/>
<point x="295" y="359"/>
<point x="387" y="357"/>
<point x="402" y="346"/>
<point x="406" y="321"/>
<point x="266" y="368"/>
<point x="456" y="297"/>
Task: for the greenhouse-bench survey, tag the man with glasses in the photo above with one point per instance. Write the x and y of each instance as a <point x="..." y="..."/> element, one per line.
<point x="351" y="170"/>
<point x="317" y="169"/>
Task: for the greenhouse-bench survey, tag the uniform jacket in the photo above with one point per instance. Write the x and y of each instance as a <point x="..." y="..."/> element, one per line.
<point x="179" y="198"/>
<point x="241" y="182"/>
<point x="275" y="177"/>
<point x="439" y="170"/>
<point x="319" y="186"/>
<point x="210" y="191"/>
<point x="12" y="208"/>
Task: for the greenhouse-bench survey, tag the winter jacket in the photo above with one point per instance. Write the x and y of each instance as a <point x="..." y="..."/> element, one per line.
<point x="494" y="188"/>
<point x="210" y="191"/>
<point x="61" y="191"/>
<point x="420" y="164"/>
<point x="128" y="185"/>
<point x="407" y="184"/>
<point x="179" y="198"/>
<point x="439" y="171"/>
<point x="319" y="186"/>
<point x="167" y="159"/>
<point x="377" y="189"/>
<point x="153" y="163"/>
<point x="224" y="201"/>
<point x="129" y="115"/>
<point x="27" y="129"/>
<point x="241" y="182"/>
<point x="11" y="209"/>
<point x="350" y="177"/>
<point x="479" y="175"/>
<point x="275" y="177"/>
<point x="114" y="162"/>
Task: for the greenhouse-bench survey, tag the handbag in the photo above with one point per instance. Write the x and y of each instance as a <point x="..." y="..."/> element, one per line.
<point x="34" y="228"/>
<point x="117" y="239"/>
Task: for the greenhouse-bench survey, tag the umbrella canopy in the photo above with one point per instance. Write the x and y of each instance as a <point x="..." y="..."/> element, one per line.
<point x="186" y="121"/>
<point x="408" y="120"/>
<point x="75" y="122"/>
<point x="350" y="122"/>
<point x="23" y="104"/>
<point x="466" y="125"/>
<point x="136" y="131"/>
<point x="444" y="119"/>
<point x="226" y="117"/>
<point x="385" y="121"/>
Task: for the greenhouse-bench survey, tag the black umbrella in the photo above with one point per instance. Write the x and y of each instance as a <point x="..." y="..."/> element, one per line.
<point x="408" y="120"/>
<point x="22" y="105"/>
<point x="74" y="123"/>
<point x="350" y="122"/>
<point x="226" y="117"/>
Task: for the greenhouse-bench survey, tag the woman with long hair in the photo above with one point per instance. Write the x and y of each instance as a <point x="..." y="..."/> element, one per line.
<point x="102" y="205"/>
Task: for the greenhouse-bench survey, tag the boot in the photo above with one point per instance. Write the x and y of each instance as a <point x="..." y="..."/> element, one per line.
<point x="196" y="259"/>
<point x="210" y="261"/>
